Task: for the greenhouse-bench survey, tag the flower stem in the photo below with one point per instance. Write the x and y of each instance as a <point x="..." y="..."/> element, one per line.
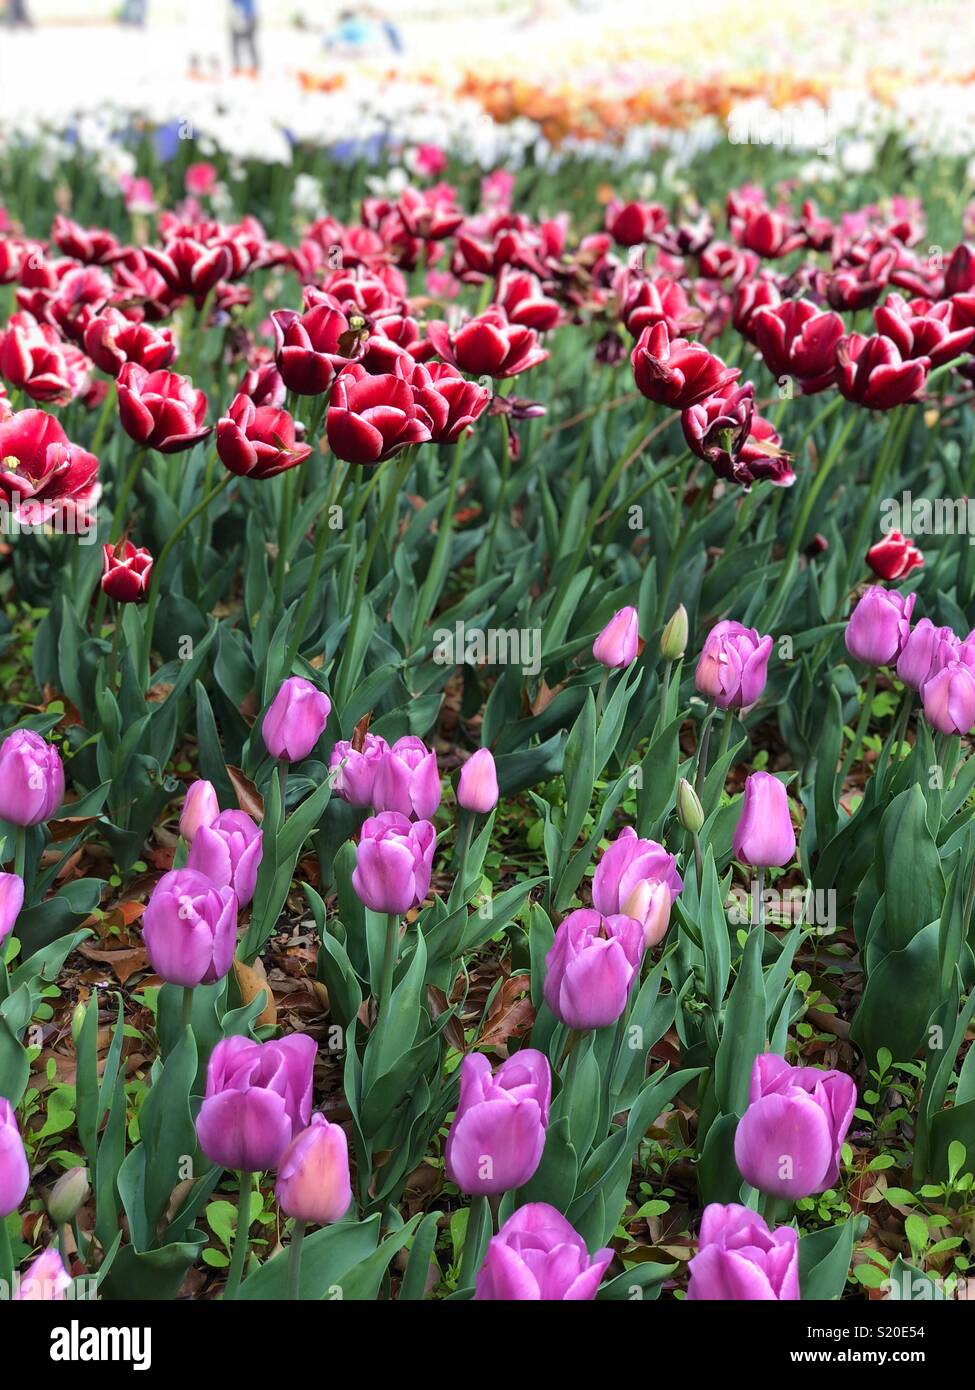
<point x="389" y="963"/>
<point x="241" y="1234"/>
<point x="186" y="1013"/>
<point x="478" y="1212"/>
<point x="294" y="1261"/>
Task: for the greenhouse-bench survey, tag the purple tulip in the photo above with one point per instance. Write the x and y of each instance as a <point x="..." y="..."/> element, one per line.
<point x="31" y="778"/>
<point x="639" y="879"/>
<point x="393" y="863"/>
<point x="357" y="769"/>
<point x="313" y="1174"/>
<point x="538" y="1256"/>
<point x="925" y="651"/>
<point x="11" y="901"/>
<point x="740" y="1260"/>
<point x="190" y="929"/>
<point x="619" y="642"/>
<point x="590" y="967"/>
<point x="257" y="1099"/>
<point x="229" y="852"/>
<point x="14" y="1172"/>
<point x="44" y="1280"/>
<point x="949" y="699"/>
<point x="498" y="1133"/>
<point x="788" y="1141"/>
<point x="477" y="789"/>
<point x="879" y="626"/>
<point x="200" y="807"/>
<point x="295" y="719"/>
<point x="764" y="835"/>
<point x="407" y="780"/>
<point x="733" y="666"/>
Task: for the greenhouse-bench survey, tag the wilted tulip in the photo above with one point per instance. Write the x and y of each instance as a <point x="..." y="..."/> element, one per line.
<point x="894" y="557"/>
<point x="200" y="807"/>
<point x="258" y="441"/>
<point x="949" y="699"/>
<point x="788" y="1141"/>
<point x="45" y="1279"/>
<point x="228" y="851"/>
<point x="590" y="967"/>
<point x="538" y="1256"/>
<point x="740" y="1260"/>
<point x="161" y="410"/>
<point x="498" y="1133"/>
<point x="477" y="789"/>
<point x="879" y="625"/>
<point x="407" y="780"/>
<point x="31" y="778"/>
<point x="639" y="879"/>
<point x="295" y="719"/>
<point x="618" y="643"/>
<point x="728" y="433"/>
<point x="11" y="901"/>
<point x="257" y="1099"/>
<point x="733" y="666"/>
<point x="394" y="860"/>
<point x="676" y="372"/>
<point x="313" y="1174"/>
<point x="14" y="1169"/>
<point x="764" y="836"/>
<point x="190" y="928"/>
<point x="355" y="769"/>
<point x="126" y="571"/>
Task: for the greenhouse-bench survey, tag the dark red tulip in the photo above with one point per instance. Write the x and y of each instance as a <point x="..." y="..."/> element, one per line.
<point x="894" y="557"/>
<point x="738" y="443"/>
<point x="258" y="441"/>
<point x="371" y="417"/>
<point x="630" y="224"/>
<point x="190" y="267"/>
<point x="872" y="372"/>
<point x="675" y="372"/>
<point x="488" y="345"/>
<point x="521" y="296"/>
<point x="922" y="329"/>
<point x="309" y="347"/>
<point x="161" y="410"/>
<point x="35" y="359"/>
<point x="111" y="340"/>
<point x="42" y="474"/>
<point x="767" y="233"/>
<point x="857" y="287"/>
<point x="645" y="300"/>
<point x="92" y="245"/>
<point x="960" y="274"/>
<point x="796" y="339"/>
<point x="262" y="382"/>
<point x="451" y="402"/>
<point x="749" y="298"/>
<point x="126" y="570"/>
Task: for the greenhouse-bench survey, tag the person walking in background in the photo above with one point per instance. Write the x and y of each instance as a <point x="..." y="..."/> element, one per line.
<point x="17" y="15"/>
<point x="135" y="13"/>
<point x="243" y="36"/>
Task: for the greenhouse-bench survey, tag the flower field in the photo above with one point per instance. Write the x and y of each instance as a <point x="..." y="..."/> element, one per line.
<point x="487" y="802"/>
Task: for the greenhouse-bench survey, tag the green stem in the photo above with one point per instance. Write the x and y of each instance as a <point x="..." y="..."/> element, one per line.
<point x="6" y="1257"/>
<point x="241" y="1235"/>
<point x="390" y="951"/>
<point x="478" y="1212"/>
<point x="186" y="1012"/>
<point x="311" y="592"/>
<point x="702" y="752"/>
<point x="461" y="851"/>
<point x="501" y="498"/>
<point x="294" y="1261"/>
<point x="726" y="726"/>
<point x="863" y="723"/>
<point x="426" y="598"/>
<point x="20" y="850"/>
<point x="601" y="694"/>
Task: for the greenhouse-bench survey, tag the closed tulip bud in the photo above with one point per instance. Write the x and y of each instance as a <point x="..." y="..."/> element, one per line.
<point x="77" y="1022"/>
<point x="200" y="807"/>
<point x="257" y="1099"/>
<point x="788" y="1141"/>
<point x="539" y="1256"/>
<point x="740" y="1260"/>
<point x="190" y="929"/>
<point x="764" y="836"/>
<point x="11" y="901"/>
<point x="313" y="1174"/>
<point x="394" y="860"/>
<point x="497" y="1137"/>
<point x="126" y="571"/>
<point x="618" y="643"/>
<point x="407" y="780"/>
<point x="295" y="719"/>
<point x="228" y="852"/>
<point x="31" y="779"/>
<point x="477" y="789"/>
<point x="45" y="1280"/>
<point x="14" y="1172"/>
<point x="68" y="1195"/>
<point x="733" y="666"/>
<point x="879" y="625"/>
<point x="673" y="639"/>
<point x="590" y="967"/>
<point x="690" y="812"/>
<point x="949" y="699"/>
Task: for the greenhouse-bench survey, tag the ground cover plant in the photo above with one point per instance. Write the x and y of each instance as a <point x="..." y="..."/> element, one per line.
<point x="485" y="784"/>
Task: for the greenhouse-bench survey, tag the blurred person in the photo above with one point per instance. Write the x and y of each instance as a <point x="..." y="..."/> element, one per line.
<point x="17" y="15"/>
<point x="134" y="12"/>
<point x="244" y="23"/>
<point x="363" y="30"/>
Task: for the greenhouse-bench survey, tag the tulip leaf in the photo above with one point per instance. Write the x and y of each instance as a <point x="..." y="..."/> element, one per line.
<point x="327" y="1257"/>
<point x="743" y="1033"/>
<point x="824" y="1259"/>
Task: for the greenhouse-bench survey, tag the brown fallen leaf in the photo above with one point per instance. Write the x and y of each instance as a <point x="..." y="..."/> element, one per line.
<point x="249" y="799"/>
<point x="123" y="962"/>
<point x="252" y="981"/>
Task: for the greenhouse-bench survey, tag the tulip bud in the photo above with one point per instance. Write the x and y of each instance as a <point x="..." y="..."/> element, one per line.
<point x="313" y="1174"/>
<point x="14" y="1172"/>
<point x="45" y="1279"/>
<point x="477" y="789"/>
<point x="31" y="778"/>
<point x="295" y="719"/>
<point x="11" y="901"/>
<point x="879" y="626"/>
<point x="68" y="1194"/>
<point x="200" y="807"/>
<point x="673" y="639"/>
<point x="618" y="643"/>
<point x="78" y="1021"/>
<point x="764" y="836"/>
<point x="690" y="812"/>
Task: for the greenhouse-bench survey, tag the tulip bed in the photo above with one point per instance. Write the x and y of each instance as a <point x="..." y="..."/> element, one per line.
<point x="485" y="788"/>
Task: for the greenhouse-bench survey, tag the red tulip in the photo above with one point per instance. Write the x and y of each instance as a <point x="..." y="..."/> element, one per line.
<point x="41" y="472"/>
<point x="190" y="267"/>
<point x="309" y="347"/>
<point x="675" y="372"/>
<point x="894" y="557"/>
<point x="796" y="339"/>
<point x="111" y="340"/>
<point x="371" y="417"/>
<point x="749" y="298"/>
<point x="161" y="410"/>
<point x="126" y="569"/>
<point x="767" y="233"/>
<point x="645" y="301"/>
<point x="34" y="358"/>
<point x="872" y="372"/>
<point x="630" y="224"/>
<point x="488" y="345"/>
<point x="92" y="245"/>
<point x="452" y="403"/>
<point x="258" y="441"/>
<point x="520" y="295"/>
<point x="922" y="329"/>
